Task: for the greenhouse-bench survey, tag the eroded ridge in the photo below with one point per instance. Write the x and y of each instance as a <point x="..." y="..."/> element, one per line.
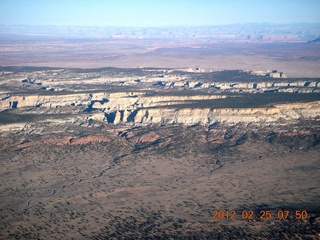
<point x="153" y="96"/>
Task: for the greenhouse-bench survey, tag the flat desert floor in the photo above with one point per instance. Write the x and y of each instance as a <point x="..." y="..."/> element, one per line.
<point x="294" y="59"/>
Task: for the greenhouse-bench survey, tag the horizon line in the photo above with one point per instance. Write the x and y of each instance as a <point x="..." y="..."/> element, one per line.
<point x="162" y="26"/>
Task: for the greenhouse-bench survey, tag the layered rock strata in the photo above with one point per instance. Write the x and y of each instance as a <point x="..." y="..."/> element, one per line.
<point x="208" y="116"/>
<point x="156" y="96"/>
<point x="142" y="108"/>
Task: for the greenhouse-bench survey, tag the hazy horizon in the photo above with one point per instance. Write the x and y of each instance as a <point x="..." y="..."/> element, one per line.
<point x="168" y="26"/>
<point x="166" y="13"/>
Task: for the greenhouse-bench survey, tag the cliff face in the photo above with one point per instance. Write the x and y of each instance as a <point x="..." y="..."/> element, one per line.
<point x="122" y="101"/>
<point x="142" y="108"/>
<point x="207" y="116"/>
<point x="159" y="96"/>
<point x="44" y="101"/>
<point x="50" y="101"/>
<point x="258" y="86"/>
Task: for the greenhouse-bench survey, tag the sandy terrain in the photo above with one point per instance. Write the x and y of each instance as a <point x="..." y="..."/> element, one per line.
<point x="294" y="59"/>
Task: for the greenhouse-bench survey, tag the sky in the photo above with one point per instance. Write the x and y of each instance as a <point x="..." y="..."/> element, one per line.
<point x="156" y="13"/>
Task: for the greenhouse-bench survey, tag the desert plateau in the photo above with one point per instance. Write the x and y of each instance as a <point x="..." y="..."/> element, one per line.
<point x="176" y="133"/>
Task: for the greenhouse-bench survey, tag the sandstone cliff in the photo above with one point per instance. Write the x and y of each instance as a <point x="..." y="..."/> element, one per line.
<point x="158" y="96"/>
<point x="208" y="116"/>
<point x="143" y="108"/>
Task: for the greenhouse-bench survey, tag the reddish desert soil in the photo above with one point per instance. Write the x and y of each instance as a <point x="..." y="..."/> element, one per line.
<point x="139" y="189"/>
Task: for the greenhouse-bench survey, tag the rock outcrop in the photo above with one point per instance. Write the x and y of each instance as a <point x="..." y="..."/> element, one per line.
<point x="176" y="99"/>
<point x="268" y="73"/>
<point x="208" y="116"/>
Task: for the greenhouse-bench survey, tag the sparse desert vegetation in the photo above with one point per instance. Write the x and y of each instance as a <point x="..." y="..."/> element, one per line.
<point x="160" y="181"/>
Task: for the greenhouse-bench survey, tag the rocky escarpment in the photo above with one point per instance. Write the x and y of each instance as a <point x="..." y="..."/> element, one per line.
<point x="209" y="116"/>
<point x="50" y="101"/>
<point x="154" y="96"/>
<point x="160" y="108"/>
<point x="66" y="80"/>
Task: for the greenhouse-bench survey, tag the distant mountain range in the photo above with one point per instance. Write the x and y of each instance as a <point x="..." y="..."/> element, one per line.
<point x="257" y="32"/>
